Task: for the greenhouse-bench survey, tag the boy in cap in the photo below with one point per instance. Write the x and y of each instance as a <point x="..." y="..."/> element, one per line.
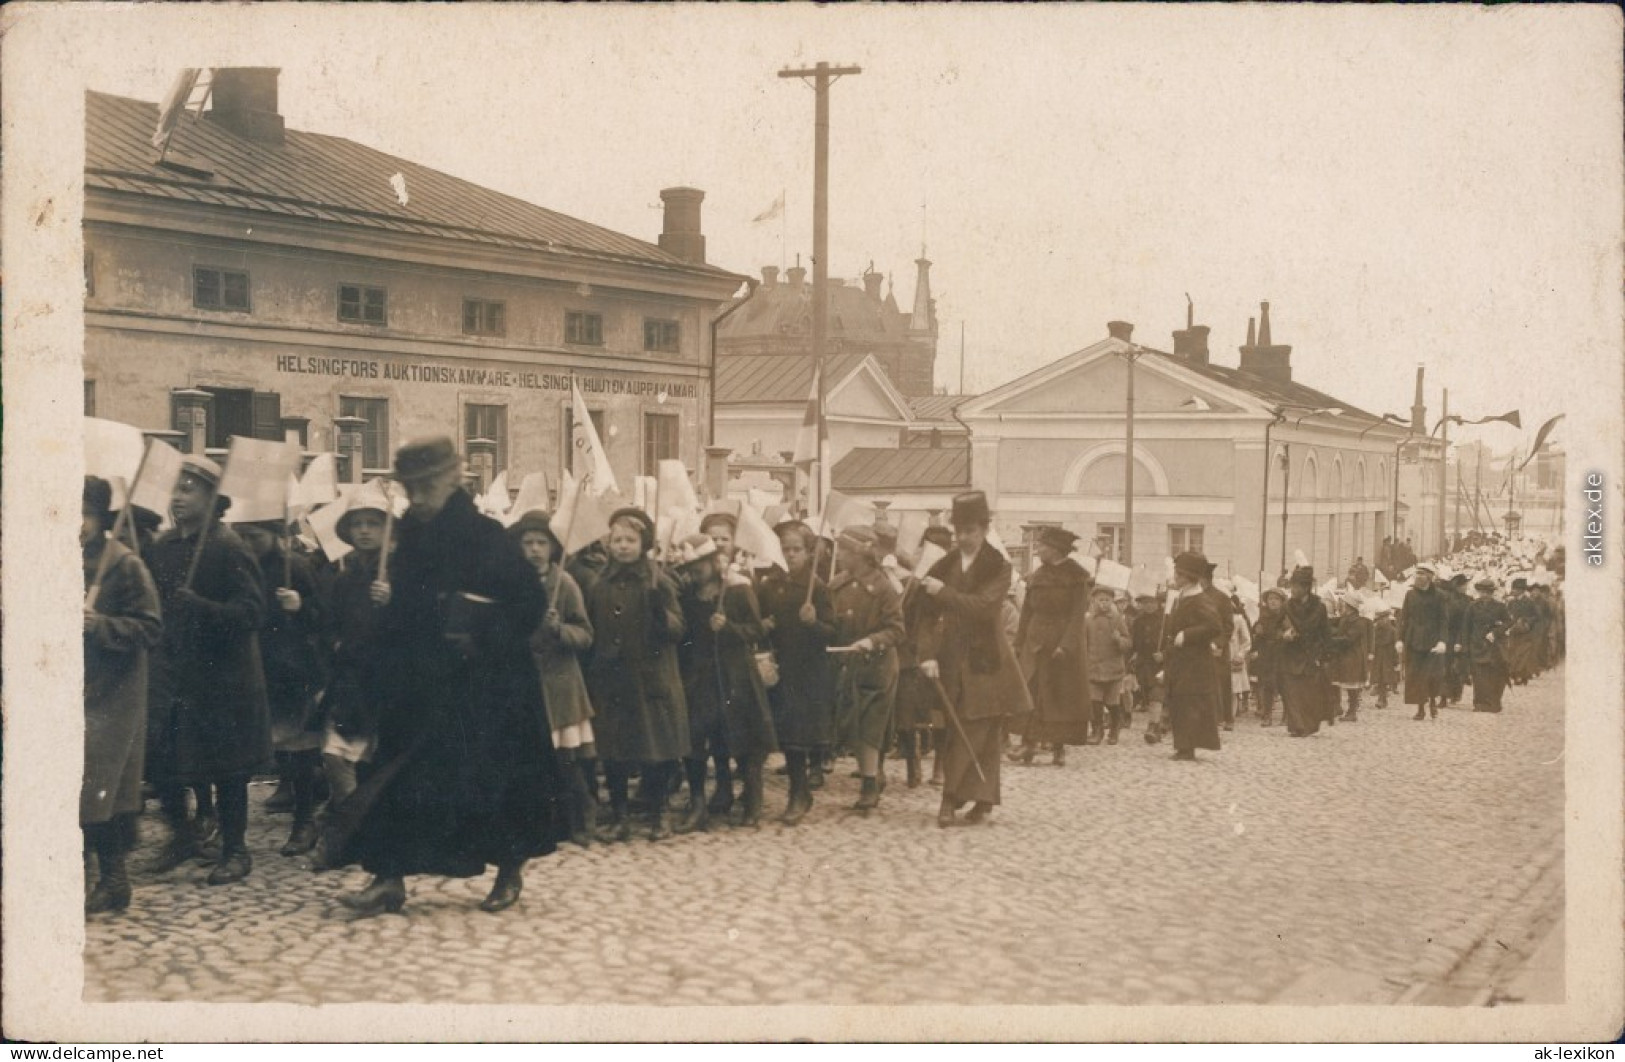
<point x="1108" y="643"/>
<point x="208" y="721"/>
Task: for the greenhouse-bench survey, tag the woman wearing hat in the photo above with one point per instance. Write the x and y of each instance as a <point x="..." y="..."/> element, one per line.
<point x="558" y="644"/>
<point x="1306" y="696"/>
<point x="632" y="674"/>
<point x="121" y="625"/>
<point x="1265" y="656"/>
<point x="1348" y="652"/>
<point x="868" y="625"/>
<point x="296" y="615"/>
<point x="1422" y="638"/>
<point x="967" y="658"/>
<point x="1194" y="629"/>
<point x="800" y="624"/>
<point x="1054" y="652"/>
<point x="465" y="776"/>
<point x="728" y="711"/>
<point x="1485" y="631"/>
<point x="208" y="723"/>
<point x="1520" y="647"/>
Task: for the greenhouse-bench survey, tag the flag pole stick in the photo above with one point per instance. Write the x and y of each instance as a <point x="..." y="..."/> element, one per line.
<point x="389" y="532"/>
<point x="202" y="540"/>
<point x="118" y="527"/>
<point x="959" y="728"/>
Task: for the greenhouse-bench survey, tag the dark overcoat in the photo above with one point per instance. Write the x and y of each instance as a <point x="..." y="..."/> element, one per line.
<point x="290" y="649"/>
<point x="1347" y="649"/>
<point x="207" y="716"/>
<point x="1221" y="649"/>
<point x="1188" y="671"/>
<point x="1146" y="631"/>
<point x="126" y="627"/>
<point x="1485" y="634"/>
<point x="917" y="703"/>
<point x="1266" y="652"/>
<point x="721" y="684"/>
<point x="632" y="674"/>
<point x="353" y="691"/>
<point x="962" y="633"/>
<point x="1520" y="642"/>
<point x="1305" y="694"/>
<point x="803" y="701"/>
<point x="1424" y="621"/>
<point x="1385" y="670"/>
<point x="558" y="655"/>
<point x="465" y="774"/>
<point x="866" y="606"/>
<point x="1052" y="647"/>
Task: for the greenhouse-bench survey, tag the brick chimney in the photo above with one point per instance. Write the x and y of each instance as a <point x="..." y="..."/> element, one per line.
<point x="770" y="276"/>
<point x="1190" y="343"/>
<point x="1419" y="409"/>
<point x="1121" y="330"/>
<point x="796" y="276"/>
<point x="1263" y="358"/>
<point x="243" y="99"/>
<point x="681" y="233"/>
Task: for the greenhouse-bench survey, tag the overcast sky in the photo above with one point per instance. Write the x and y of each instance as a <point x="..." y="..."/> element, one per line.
<point x="1403" y="186"/>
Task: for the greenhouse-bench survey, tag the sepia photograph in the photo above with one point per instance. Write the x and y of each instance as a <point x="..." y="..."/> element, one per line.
<point x="920" y="523"/>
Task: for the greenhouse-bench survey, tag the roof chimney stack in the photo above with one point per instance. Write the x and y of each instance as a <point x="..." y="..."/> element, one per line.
<point x="796" y="275"/>
<point x="770" y="276"/>
<point x="681" y="235"/>
<point x="1191" y="343"/>
<point x="1121" y="330"/>
<point x="1263" y="358"/>
<point x="243" y="99"/>
<point x="1419" y="409"/>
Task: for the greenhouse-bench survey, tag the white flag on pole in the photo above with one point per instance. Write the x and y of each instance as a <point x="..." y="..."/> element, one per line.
<point x="591" y="465"/>
<point x="156" y="486"/>
<point x="256" y="478"/>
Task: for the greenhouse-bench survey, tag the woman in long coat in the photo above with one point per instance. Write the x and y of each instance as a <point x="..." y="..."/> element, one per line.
<point x="800" y="625"/>
<point x="868" y="626"/>
<point x="1265" y="657"/>
<point x="1052" y="648"/>
<point x="121" y="624"/>
<point x="1423" y="637"/>
<point x="727" y="703"/>
<point x="559" y="642"/>
<point x="208" y="722"/>
<point x="1520" y="640"/>
<point x="465" y="774"/>
<point x="1194" y="629"/>
<point x="1486" y="627"/>
<point x="632" y="674"/>
<point x="963" y="649"/>
<point x="1305" y="629"/>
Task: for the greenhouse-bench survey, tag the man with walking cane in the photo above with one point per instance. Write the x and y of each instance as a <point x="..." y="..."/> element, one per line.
<point x="964" y="653"/>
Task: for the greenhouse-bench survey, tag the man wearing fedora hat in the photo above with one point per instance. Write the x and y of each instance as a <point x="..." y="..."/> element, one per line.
<point x="1194" y="628"/>
<point x="121" y="625"/>
<point x="1484" y="630"/>
<point x="465" y="774"/>
<point x="965" y="654"/>
<point x="208" y="721"/>
<point x="1423" y="639"/>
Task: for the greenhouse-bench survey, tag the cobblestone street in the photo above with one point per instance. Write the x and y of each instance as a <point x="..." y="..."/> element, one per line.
<point x="1364" y="865"/>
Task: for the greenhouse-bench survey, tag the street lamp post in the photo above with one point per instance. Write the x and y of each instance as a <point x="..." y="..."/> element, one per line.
<point x="1130" y="356"/>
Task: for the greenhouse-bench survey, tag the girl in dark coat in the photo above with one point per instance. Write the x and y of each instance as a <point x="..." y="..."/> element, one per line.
<point x="801" y="628"/>
<point x="1194" y="628"/>
<point x="1265" y="657"/>
<point x="868" y="626"/>
<point x="1385" y="663"/>
<point x="296" y="615"/>
<point x="1305" y="630"/>
<point x="558" y="644"/>
<point x="121" y="625"/>
<point x="632" y="674"/>
<point x="1052" y="647"/>
<point x="465" y="774"/>
<point x="207" y="718"/>
<point x="727" y="703"/>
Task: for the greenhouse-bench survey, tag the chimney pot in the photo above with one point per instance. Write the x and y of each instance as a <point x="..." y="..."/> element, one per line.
<point x="681" y="234"/>
<point x="1191" y="344"/>
<point x="1120" y="330"/>
<point x="1263" y="358"/>
<point x="244" y="100"/>
<point x="770" y="276"/>
<point x="796" y="275"/>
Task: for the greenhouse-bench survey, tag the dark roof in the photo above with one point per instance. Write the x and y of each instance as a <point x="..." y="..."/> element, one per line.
<point x="330" y="178"/>
<point x="914" y="468"/>
<point x="1274" y="392"/>
<point x="784" y="308"/>
<point x="752" y="378"/>
<point x="937" y="407"/>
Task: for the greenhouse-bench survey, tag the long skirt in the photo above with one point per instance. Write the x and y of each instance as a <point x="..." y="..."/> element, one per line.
<point x="961" y="783"/>
<point x="1303" y="701"/>
<point x="1489" y="683"/>
<point x="1424" y="673"/>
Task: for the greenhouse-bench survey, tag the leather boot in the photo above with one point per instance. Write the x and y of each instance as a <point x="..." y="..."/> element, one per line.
<point x="234" y="865"/>
<point x="868" y="796"/>
<point x="617" y="827"/>
<point x="815" y="772"/>
<point x="505" y="890"/>
<point x="1097" y="723"/>
<point x="914" y="771"/>
<point x="977" y="813"/>
<point x="585" y="820"/>
<point x="181" y="846"/>
<point x="751" y="817"/>
<point x="112" y="891"/>
<point x="302" y="839"/>
<point x="382" y="894"/>
<point x="1060" y="752"/>
<point x="945" y="813"/>
<point x="800" y="797"/>
<point x="938" y="747"/>
<point x="660" y="826"/>
<point x="722" y="801"/>
<point x="1116" y="724"/>
<point x="697" y="819"/>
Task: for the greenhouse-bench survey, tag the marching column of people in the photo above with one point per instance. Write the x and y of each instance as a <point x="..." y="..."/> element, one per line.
<point x="455" y="686"/>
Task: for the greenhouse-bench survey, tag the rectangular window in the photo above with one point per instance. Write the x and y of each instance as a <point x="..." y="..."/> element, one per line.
<point x="240" y="411"/>
<point x="482" y="317"/>
<point x="662" y="336"/>
<point x="360" y="305"/>
<point x="585" y="329"/>
<point x="219" y="289"/>
<point x="488" y="422"/>
<point x="90" y="398"/>
<point x="1110" y="538"/>
<point x="375" y="436"/>
<point x="659" y="440"/>
<point x="1183" y="538"/>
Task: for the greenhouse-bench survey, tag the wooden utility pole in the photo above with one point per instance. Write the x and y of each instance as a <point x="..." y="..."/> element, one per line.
<point x="821" y="77"/>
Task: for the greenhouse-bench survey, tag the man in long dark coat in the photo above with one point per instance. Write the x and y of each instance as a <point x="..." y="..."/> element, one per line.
<point x="1194" y="628"/>
<point x="1455" y="619"/>
<point x="465" y="773"/>
<point x="1485" y="627"/>
<point x="121" y="625"/>
<point x="208" y="722"/>
<point x="1423" y="633"/>
<point x="1305" y="632"/>
<point x="964" y="649"/>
